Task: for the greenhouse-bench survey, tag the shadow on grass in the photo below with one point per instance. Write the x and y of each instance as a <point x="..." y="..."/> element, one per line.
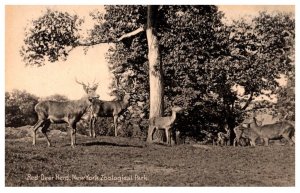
<point x="103" y="143"/>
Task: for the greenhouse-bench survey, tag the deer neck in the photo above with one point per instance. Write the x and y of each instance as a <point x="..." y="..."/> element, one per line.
<point x="124" y="103"/>
<point x="255" y="126"/>
<point x="173" y="116"/>
<point x="84" y="102"/>
<point x="255" y="122"/>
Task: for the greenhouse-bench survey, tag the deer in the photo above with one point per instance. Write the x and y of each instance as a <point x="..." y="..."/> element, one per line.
<point x="163" y="123"/>
<point x="113" y="109"/>
<point x="246" y="133"/>
<point x="63" y="112"/>
<point x="223" y="138"/>
<point x="275" y="131"/>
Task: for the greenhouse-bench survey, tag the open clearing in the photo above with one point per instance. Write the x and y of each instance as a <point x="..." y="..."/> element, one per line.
<point x="115" y="161"/>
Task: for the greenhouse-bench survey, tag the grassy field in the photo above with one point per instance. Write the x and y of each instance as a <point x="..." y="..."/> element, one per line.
<point x="114" y="161"/>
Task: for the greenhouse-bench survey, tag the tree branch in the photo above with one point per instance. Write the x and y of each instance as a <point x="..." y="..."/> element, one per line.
<point x="92" y="43"/>
<point x="249" y="101"/>
<point x="140" y="29"/>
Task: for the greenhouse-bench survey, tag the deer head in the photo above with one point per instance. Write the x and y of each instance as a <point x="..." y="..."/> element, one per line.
<point x="177" y="109"/>
<point x="128" y="90"/>
<point x="89" y="90"/>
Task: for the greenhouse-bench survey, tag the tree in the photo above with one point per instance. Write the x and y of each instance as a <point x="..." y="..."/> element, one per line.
<point x="19" y="108"/>
<point x="56" y="97"/>
<point x="286" y="100"/>
<point x="50" y="38"/>
<point x="204" y="60"/>
<point x="54" y="32"/>
<point x="176" y="38"/>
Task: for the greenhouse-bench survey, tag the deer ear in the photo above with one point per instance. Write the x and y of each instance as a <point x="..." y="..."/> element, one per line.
<point x="95" y="87"/>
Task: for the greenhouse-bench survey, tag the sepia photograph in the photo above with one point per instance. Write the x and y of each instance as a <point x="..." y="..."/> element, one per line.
<point x="149" y="95"/>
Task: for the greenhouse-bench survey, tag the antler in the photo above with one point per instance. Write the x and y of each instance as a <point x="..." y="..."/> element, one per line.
<point x="85" y="87"/>
<point x="95" y="86"/>
<point x="81" y="83"/>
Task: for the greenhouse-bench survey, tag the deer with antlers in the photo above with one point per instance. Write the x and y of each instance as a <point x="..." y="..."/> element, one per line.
<point x="113" y="109"/>
<point x="64" y="112"/>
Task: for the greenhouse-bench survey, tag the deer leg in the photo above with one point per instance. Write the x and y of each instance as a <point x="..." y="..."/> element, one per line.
<point x="91" y="126"/>
<point x="44" y="131"/>
<point x="116" y="126"/>
<point x="73" y="134"/>
<point x="35" y="128"/>
<point x="293" y="139"/>
<point x="291" y="142"/>
<point x="94" y="123"/>
<point x="234" y="142"/>
<point x="289" y="139"/>
<point x="252" y="142"/>
<point x="266" y="141"/>
<point x="168" y="136"/>
<point x="150" y="133"/>
<point x="171" y="136"/>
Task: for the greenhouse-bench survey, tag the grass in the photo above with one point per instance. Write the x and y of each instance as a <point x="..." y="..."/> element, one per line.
<point x="114" y="161"/>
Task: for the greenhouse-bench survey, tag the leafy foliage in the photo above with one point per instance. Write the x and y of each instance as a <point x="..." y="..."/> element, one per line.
<point x="19" y="108"/>
<point x="286" y="99"/>
<point x="50" y="37"/>
<point x="204" y="60"/>
<point x="212" y="69"/>
<point x="56" y="97"/>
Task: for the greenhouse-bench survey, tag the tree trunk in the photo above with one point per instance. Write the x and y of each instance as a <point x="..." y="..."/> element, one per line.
<point x="155" y="66"/>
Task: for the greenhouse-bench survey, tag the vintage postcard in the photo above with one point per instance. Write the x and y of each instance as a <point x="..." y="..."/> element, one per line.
<point x="150" y="95"/>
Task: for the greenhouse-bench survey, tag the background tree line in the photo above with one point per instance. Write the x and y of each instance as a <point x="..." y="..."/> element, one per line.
<point x="19" y="111"/>
<point x="204" y="58"/>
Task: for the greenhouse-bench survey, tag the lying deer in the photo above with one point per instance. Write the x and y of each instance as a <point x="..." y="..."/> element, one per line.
<point x="63" y="112"/>
<point x="163" y="123"/>
<point x="108" y="109"/>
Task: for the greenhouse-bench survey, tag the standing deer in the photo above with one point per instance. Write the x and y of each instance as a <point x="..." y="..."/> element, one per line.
<point x="113" y="109"/>
<point x="108" y="109"/>
<point x="64" y="112"/>
<point x="246" y="133"/>
<point x="279" y="130"/>
<point x="163" y="123"/>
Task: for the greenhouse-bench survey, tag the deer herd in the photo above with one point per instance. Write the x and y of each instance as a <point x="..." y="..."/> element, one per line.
<point x="72" y="111"/>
